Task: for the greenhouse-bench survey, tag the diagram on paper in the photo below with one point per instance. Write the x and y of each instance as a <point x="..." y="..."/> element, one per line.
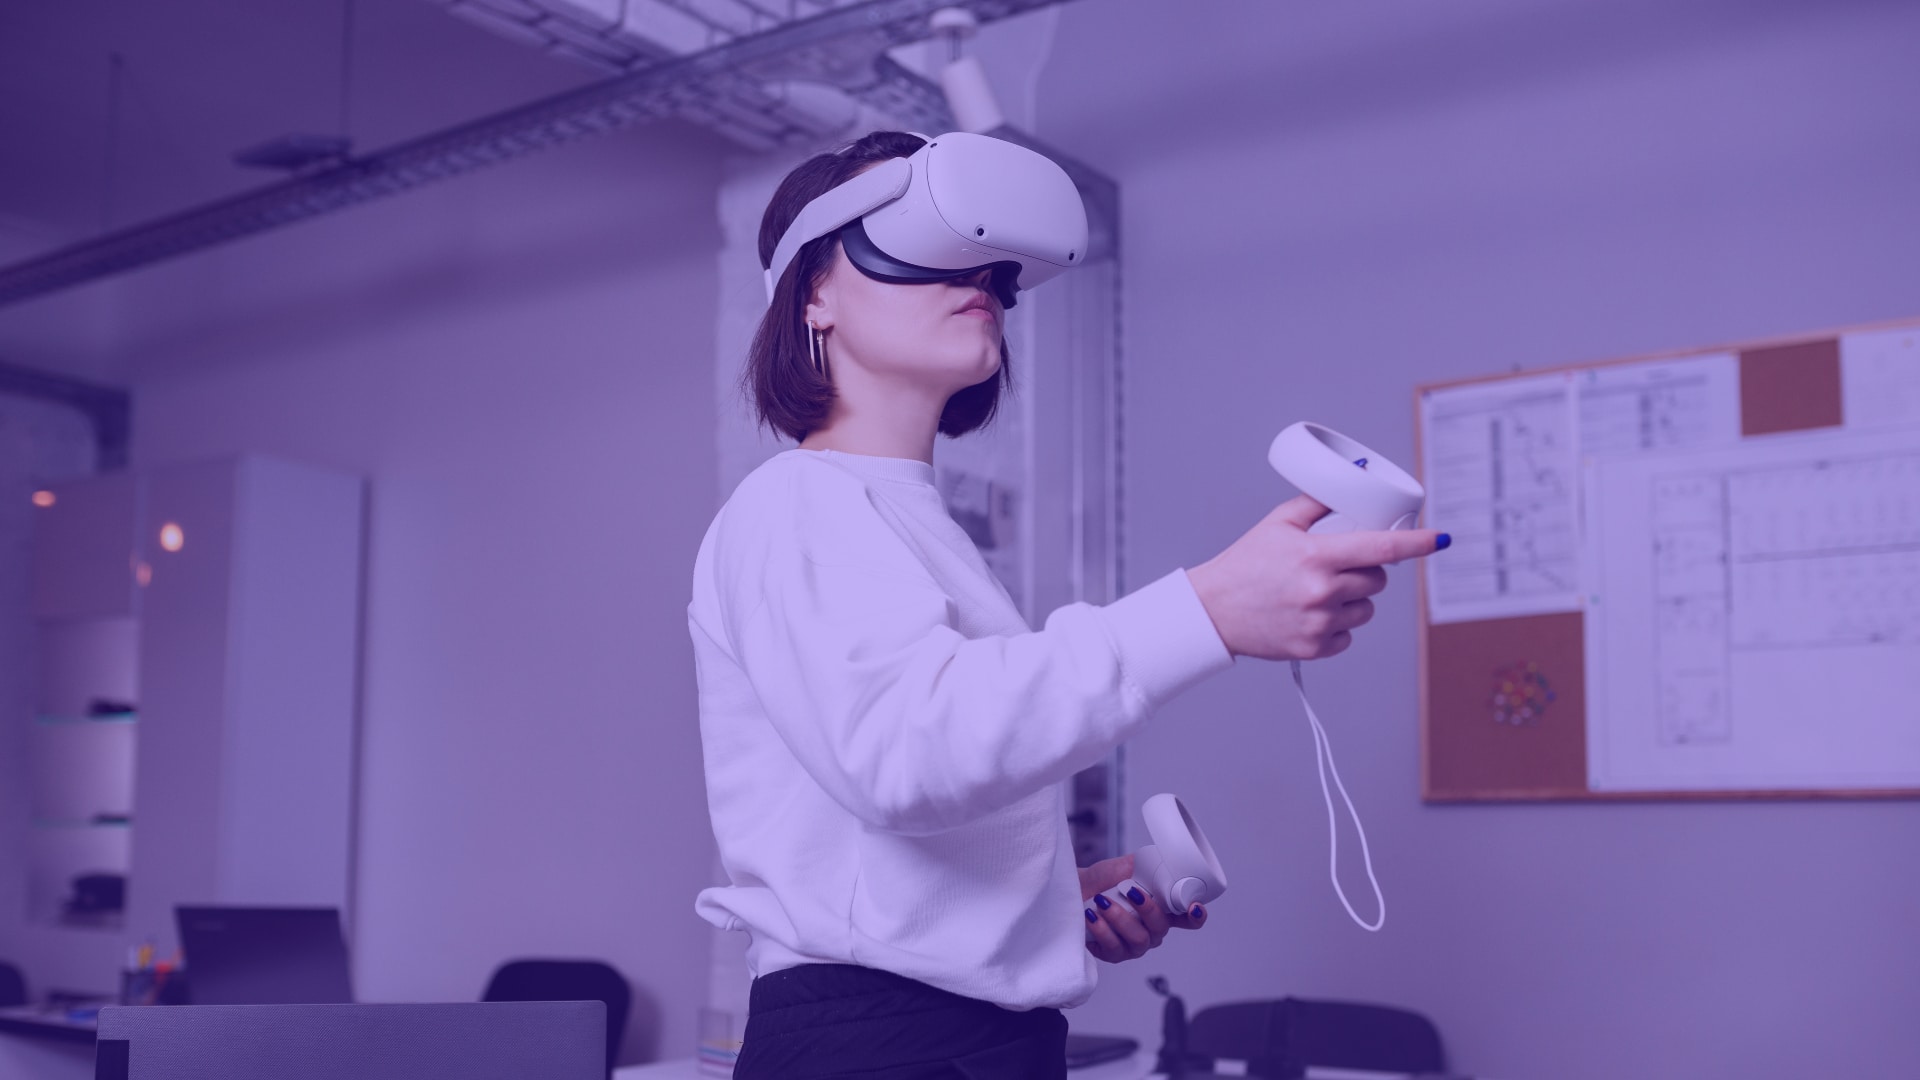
<point x="1503" y="471"/>
<point x="1659" y="405"/>
<point x="1790" y="557"/>
<point x="1691" y="600"/>
<point x="1826" y="554"/>
<point x="1500" y="475"/>
<point x="1757" y="619"/>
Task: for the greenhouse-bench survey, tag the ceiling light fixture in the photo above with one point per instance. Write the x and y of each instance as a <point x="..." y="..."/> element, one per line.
<point x="964" y="80"/>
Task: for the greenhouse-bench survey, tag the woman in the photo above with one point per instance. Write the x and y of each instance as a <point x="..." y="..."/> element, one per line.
<point x="885" y="738"/>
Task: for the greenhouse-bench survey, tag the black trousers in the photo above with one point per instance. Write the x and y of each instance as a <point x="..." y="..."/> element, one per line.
<point x="835" y="1021"/>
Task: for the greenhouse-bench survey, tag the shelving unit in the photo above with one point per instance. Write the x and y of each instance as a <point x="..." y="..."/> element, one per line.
<point x="86" y="603"/>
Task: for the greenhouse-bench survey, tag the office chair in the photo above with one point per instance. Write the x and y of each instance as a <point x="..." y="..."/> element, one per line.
<point x="1286" y="1037"/>
<point x="567" y="980"/>
<point x="13" y="986"/>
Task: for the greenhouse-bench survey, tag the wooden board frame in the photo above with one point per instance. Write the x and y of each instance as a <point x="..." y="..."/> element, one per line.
<point x="1566" y="793"/>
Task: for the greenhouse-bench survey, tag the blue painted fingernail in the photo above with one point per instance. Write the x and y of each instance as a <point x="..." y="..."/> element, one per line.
<point x="1102" y="901"/>
<point x="1199" y="912"/>
<point x="1091" y="917"/>
<point x="1134" y="894"/>
<point x="1443" y="541"/>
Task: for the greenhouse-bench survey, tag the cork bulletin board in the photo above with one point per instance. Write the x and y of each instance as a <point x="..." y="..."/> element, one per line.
<point x="1691" y="575"/>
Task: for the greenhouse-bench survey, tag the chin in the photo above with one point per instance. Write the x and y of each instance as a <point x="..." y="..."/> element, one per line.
<point x="968" y="362"/>
<point x="984" y="369"/>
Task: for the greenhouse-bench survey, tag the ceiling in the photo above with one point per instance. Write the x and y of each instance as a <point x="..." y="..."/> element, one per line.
<point x="93" y="143"/>
<point x="200" y="79"/>
<point x="1135" y="79"/>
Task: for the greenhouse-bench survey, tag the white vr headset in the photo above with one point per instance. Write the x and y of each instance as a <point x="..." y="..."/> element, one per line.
<point x="961" y="204"/>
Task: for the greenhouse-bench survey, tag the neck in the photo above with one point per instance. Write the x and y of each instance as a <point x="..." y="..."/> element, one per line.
<point x="894" y="421"/>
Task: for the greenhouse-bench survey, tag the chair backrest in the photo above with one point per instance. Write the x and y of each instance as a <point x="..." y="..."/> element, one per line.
<point x="1286" y="1037"/>
<point x="551" y="1040"/>
<point x="567" y="980"/>
<point x="13" y="986"/>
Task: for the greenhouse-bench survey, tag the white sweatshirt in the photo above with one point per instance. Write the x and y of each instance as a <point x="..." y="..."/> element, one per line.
<point x="886" y="739"/>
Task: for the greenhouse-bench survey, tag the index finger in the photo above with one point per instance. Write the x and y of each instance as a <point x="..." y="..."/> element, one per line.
<point x="1301" y="511"/>
<point x="1347" y="551"/>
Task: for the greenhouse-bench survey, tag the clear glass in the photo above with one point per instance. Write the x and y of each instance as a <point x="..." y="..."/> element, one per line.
<point x="721" y="1035"/>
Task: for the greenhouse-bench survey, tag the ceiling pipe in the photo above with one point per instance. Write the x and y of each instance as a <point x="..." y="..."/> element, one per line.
<point x="845" y="47"/>
<point x="108" y="409"/>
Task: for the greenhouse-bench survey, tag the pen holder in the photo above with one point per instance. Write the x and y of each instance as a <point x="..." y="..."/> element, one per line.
<point x="139" y="986"/>
<point x="153" y="986"/>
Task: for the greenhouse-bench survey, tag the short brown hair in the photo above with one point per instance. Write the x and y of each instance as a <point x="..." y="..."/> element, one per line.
<point x="788" y="395"/>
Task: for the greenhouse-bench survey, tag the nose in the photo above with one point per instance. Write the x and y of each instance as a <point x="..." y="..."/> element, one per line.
<point x="980" y="279"/>
<point x="995" y="280"/>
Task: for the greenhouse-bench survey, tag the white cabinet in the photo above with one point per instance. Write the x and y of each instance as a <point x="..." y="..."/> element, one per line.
<point x="248" y="656"/>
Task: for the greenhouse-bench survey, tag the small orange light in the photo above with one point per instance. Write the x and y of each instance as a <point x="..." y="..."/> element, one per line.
<point x="44" y="499"/>
<point x="171" y="537"/>
<point x="143" y="573"/>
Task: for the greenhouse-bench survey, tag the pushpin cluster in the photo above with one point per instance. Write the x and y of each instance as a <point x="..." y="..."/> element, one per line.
<point x="1520" y="694"/>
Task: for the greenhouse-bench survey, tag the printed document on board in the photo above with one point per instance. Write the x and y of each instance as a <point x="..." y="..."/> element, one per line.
<point x="1502" y="465"/>
<point x="1880" y="378"/>
<point x="1755" y="615"/>
<point x="1499" y="464"/>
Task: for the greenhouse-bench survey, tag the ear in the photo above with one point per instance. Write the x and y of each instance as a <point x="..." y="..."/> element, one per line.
<point x="824" y="307"/>
<point x="820" y="310"/>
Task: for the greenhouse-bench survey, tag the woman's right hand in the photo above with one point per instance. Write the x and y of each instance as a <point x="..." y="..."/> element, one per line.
<point x="1278" y="593"/>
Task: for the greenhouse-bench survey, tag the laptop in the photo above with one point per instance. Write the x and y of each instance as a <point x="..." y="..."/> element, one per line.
<point x="540" y="1040"/>
<point x="264" y="955"/>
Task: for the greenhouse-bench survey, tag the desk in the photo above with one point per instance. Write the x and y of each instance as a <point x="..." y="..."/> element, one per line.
<point x="37" y="1043"/>
<point x="1137" y="1067"/>
<point x="43" y="1022"/>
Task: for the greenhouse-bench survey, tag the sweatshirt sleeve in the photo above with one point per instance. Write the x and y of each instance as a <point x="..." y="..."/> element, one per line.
<point x="850" y="645"/>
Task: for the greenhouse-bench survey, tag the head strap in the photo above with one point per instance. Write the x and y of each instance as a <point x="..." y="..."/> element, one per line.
<point x="857" y="197"/>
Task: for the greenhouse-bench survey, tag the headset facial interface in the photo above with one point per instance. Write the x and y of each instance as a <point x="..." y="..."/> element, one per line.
<point x="961" y="204"/>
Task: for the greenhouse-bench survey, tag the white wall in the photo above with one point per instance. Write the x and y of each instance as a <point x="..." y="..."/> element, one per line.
<point x="1326" y="204"/>
<point x="519" y="361"/>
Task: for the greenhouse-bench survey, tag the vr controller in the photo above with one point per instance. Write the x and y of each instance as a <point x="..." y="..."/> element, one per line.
<point x="1377" y="494"/>
<point x="1179" y="868"/>
<point x="1364" y="491"/>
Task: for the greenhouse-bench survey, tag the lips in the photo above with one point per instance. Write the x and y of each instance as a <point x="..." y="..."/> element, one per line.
<point x="978" y="303"/>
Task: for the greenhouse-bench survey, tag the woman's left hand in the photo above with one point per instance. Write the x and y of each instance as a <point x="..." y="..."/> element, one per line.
<point x="1115" y="935"/>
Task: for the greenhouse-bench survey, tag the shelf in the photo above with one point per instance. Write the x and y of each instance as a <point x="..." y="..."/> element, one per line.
<point x="76" y="823"/>
<point x="87" y="721"/>
<point x="96" y="920"/>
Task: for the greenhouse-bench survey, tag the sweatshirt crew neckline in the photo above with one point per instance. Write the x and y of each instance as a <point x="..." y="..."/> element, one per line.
<point x="906" y="470"/>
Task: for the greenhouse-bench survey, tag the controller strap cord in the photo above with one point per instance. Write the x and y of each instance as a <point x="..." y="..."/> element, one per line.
<point x="1323" y="761"/>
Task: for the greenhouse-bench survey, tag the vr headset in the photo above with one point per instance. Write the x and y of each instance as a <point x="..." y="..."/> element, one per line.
<point x="961" y="204"/>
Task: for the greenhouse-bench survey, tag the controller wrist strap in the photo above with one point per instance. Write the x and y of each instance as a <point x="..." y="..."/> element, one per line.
<point x="1323" y="762"/>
